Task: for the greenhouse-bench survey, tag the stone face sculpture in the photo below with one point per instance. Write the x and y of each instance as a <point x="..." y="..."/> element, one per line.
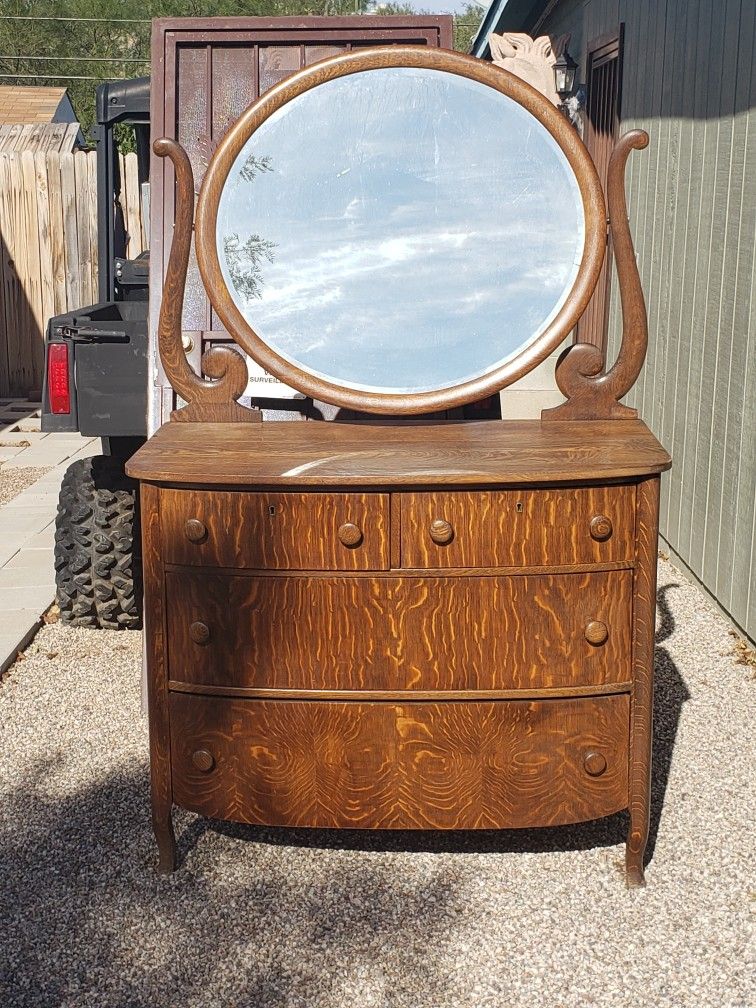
<point x="529" y="59"/>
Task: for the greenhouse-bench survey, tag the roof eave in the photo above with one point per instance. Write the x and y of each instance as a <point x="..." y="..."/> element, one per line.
<point x="507" y="15"/>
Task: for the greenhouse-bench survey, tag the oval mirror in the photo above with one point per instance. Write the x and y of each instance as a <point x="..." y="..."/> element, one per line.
<point x="394" y="234"/>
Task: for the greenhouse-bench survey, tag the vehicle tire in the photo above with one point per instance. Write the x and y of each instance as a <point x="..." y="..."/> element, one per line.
<point x="98" y="561"/>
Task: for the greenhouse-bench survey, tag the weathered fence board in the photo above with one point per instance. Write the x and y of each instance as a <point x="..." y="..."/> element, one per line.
<point x="81" y="174"/>
<point x="48" y="249"/>
<point x="132" y="209"/>
<point x="43" y="231"/>
<point x="92" y="225"/>
<point x="70" y="233"/>
<point x="57" y="241"/>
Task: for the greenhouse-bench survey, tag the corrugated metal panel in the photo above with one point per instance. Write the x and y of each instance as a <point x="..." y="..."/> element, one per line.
<point x="688" y="80"/>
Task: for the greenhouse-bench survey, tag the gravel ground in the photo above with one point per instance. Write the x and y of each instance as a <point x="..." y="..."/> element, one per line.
<point x="308" y="919"/>
<point x="14" y="481"/>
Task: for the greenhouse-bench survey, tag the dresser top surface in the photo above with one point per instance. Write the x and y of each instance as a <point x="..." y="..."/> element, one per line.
<point x="278" y="453"/>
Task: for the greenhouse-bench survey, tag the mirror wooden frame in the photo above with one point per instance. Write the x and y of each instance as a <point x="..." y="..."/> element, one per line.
<point x="416" y="402"/>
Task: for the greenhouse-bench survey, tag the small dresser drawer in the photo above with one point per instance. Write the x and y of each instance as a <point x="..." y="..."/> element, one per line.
<point x="276" y="531"/>
<point x="400" y="633"/>
<point x="518" y="528"/>
<point x="482" y="765"/>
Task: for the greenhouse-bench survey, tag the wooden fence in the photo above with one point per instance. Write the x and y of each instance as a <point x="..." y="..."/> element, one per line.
<point x="48" y="250"/>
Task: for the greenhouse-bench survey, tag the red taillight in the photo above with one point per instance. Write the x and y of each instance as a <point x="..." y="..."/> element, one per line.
<point x="58" y="389"/>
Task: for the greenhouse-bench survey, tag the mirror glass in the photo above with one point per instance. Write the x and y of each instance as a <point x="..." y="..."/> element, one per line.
<point x="400" y="230"/>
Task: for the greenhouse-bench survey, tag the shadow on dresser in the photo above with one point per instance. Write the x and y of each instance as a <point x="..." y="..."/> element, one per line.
<point x="670" y="693"/>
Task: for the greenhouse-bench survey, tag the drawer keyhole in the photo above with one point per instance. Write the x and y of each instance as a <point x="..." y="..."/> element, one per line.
<point x="518" y="507"/>
<point x="271" y="509"/>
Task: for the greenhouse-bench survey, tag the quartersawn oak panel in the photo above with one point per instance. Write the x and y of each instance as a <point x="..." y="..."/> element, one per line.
<point x="518" y="528"/>
<point x="277" y="453"/>
<point x="279" y="531"/>
<point x="399" y="766"/>
<point x="414" y="633"/>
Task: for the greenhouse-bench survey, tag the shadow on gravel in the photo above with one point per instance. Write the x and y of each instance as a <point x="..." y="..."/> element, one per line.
<point x="85" y="920"/>
<point x="670" y="693"/>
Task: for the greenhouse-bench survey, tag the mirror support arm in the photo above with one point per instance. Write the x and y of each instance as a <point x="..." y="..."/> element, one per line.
<point x="213" y="399"/>
<point x="591" y="395"/>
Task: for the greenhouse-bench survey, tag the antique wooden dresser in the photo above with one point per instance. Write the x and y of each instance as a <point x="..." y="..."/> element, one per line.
<point x="442" y="625"/>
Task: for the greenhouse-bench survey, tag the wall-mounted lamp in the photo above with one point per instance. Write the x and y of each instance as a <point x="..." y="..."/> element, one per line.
<point x="565" y="69"/>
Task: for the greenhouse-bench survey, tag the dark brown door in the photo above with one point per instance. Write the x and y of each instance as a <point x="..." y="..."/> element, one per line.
<point x="603" y="80"/>
<point x="205" y="71"/>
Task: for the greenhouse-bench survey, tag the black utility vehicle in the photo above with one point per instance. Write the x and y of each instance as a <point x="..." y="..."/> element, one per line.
<point x="96" y="383"/>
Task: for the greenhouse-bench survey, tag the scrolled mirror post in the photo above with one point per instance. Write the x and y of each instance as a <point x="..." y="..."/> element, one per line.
<point x="591" y="395"/>
<point x="207" y="400"/>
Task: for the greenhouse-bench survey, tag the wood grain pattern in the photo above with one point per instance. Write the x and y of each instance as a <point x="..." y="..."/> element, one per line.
<point x="157" y="680"/>
<point x="641" y="710"/>
<point x="208" y="400"/>
<point x="516" y="528"/>
<point x="284" y="531"/>
<point x="400" y="766"/>
<point x="323" y="454"/>
<point x="420" y="698"/>
<point x="419" y="571"/>
<point x="403" y="696"/>
<point x="413" y="633"/>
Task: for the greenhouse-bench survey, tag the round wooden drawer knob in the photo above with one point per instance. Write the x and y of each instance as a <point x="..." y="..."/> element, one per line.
<point x="441" y="532"/>
<point x="350" y="534"/>
<point x="596" y="632"/>
<point x="200" y="633"/>
<point x="203" y="760"/>
<point x="601" y="527"/>
<point x="195" y="530"/>
<point x="594" y="763"/>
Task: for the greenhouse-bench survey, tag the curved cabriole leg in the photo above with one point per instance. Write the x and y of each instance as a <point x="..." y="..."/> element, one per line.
<point x="641" y="709"/>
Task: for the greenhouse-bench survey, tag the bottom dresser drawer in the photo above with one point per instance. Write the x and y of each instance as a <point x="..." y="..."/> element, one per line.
<point x="448" y="765"/>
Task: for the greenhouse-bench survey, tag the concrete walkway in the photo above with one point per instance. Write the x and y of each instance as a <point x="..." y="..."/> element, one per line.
<point x="27" y="521"/>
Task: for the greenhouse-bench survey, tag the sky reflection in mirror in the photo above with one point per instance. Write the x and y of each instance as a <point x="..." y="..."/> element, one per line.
<point x="400" y="230"/>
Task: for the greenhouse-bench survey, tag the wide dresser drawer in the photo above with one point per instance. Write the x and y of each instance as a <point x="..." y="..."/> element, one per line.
<point x="276" y="531"/>
<point x="526" y="527"/>
<point x="400" y="766"/>
<point x="399" y="633"/>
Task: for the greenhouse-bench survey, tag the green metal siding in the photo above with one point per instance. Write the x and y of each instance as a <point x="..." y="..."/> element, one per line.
<point x="689" y="80"/>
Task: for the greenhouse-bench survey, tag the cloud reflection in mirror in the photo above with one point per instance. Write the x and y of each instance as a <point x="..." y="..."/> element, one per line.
<point x="400" y="230"/>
